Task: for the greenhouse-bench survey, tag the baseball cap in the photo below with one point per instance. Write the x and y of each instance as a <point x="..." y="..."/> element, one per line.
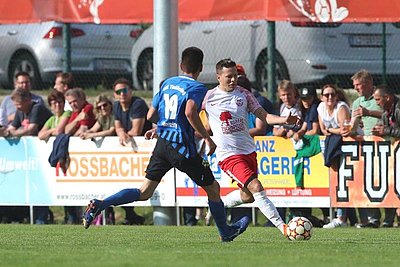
<point x="240" y="69"/>
<point x="307" y="92"/>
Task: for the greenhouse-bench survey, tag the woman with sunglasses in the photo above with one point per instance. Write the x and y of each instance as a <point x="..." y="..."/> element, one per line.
<point x="104" y="125"/>
<point x="333" y="111"/>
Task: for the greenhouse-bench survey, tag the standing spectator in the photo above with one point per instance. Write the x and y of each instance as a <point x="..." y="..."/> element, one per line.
<point x="56" y="123"/>
<point x="176" y="110"/>
<point x="289" y="97"/>
<point x="389" y="127"/>
<point x="130" y="120"/>
<point x="7" y="109"/>
<point x="64" y="81"/>
<point x="366" y="112"/>
<point x="104" y="126"/>
<point x="82" y="117"/>
<point x="333" y="111"/>
<point x="29" y="119"/>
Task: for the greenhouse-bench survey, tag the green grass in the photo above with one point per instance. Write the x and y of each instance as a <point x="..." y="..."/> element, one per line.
<point x="62" y="245"/>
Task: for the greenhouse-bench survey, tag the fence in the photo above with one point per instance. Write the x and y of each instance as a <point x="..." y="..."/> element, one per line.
<point x="306" y="53"/>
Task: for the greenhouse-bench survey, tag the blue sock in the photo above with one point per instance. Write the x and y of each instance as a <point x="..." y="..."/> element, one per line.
<point x="218" y="212"/>
<point x="124" y="196"/>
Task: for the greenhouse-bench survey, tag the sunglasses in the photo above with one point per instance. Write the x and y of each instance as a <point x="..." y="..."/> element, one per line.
<point x="122" y="91"/>
<point x="102" y="106"/>
<point x="329" y="94"/>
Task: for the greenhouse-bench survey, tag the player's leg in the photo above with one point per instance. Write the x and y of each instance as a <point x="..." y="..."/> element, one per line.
<point x="155" y="171"/>
<point x="202" y="175"/>
<point x="243" y="170"/>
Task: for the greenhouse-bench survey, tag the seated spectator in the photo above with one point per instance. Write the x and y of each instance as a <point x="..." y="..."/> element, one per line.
<point x="104" y="125"/>
<point x="82" y="117"/>
<point x="22" y="80"/>
<point x="56" y="123"/>
<point x="64" y="81"/>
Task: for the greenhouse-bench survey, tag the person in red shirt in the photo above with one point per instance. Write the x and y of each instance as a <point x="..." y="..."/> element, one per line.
<point x="82" y="117"/>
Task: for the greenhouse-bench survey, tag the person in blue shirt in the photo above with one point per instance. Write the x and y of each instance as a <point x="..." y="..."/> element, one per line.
<point x="175" y="109"/>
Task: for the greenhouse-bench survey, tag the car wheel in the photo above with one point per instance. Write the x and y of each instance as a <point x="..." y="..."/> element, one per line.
<point x="145" y="70"/>
<point x="281" y="71"/>
<point x="25" y="62"/>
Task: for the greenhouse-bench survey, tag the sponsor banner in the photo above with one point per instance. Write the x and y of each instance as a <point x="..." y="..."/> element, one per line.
<point x="368" y="175"/>
<point x="275" y="158"/>
<point x="123" y="11"/>
<point x="97" y="169"/>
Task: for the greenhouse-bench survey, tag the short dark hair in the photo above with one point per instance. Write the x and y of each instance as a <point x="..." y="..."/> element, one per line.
<point x="122" y="81"/>
<point x="384" y="90"/>
<point x="22" y="73"/>
<point x="66" y="79"/>
<point x="225" y="63"/>
<point x="55" y="95"/>
<point x="20" y="95"/>
<point x="192" y="59"/>
<point x="244" y="82"/>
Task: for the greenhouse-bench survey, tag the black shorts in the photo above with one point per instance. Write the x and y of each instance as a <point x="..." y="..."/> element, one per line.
<point x="165" y="157"/>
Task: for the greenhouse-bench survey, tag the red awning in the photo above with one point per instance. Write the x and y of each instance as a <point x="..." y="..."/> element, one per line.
<point x="136" y="11"/>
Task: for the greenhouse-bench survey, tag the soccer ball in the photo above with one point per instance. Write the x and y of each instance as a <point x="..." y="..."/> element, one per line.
<point x="299" y="228"/>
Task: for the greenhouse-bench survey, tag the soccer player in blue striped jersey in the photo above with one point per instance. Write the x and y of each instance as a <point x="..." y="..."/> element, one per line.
<point x="176" y="109"/>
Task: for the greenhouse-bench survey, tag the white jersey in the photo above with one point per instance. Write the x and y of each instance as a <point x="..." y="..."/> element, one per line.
<point x="227" y="115"/>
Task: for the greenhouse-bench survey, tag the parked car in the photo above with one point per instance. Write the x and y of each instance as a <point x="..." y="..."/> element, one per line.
<point x="306" y="53"/>
<point x="37" y="48"/>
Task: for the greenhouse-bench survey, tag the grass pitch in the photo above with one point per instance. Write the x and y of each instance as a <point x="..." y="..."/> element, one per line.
<point x="64" y="245"/>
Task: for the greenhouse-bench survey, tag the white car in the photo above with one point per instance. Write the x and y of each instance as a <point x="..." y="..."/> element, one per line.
<point x="37" y="48"/>
<point x="306" y="53"/>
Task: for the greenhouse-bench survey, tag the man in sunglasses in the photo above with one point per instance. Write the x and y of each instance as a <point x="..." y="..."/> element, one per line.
<point x="130" y="112"/>
<point x="130" y="120"/>
<point x="176" y="109"/>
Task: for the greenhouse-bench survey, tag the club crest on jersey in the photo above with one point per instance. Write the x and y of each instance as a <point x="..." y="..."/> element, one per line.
<point x="239" y="102"/>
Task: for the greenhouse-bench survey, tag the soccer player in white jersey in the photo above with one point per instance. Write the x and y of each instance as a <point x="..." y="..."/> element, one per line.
<point x="227" y="106"/>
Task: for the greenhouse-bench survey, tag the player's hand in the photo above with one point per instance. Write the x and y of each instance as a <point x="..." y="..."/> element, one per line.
<point x="211" y="145"/>
<point x="151" y="134"/>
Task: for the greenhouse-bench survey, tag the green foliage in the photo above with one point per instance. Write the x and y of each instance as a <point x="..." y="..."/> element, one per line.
<point x="63" y="245"/>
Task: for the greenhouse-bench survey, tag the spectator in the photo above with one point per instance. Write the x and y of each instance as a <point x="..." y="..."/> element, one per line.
<point x="105" y="125"/>
<point x="7" y="109"/>
<point x="130" y="120"/>
<point x="82" y="117"/>
<point x="64" y="81"/>
<point x="366" y="112"/>
<point x="56" y="123"/>
<point x="332" y="113"/>
<point x="289" y="97"/>
<point x="29" y="119"/>
<point x="309" y="130"/>
<point x="388" y="127"/>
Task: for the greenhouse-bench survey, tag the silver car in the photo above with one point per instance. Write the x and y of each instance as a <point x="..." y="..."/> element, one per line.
<point x="96" y="51"/>
<point x="306" y="53"/>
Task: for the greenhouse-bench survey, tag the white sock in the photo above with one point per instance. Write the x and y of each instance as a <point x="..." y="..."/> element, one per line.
<point x="232" y="199"/>
<point x="268" y="209"/>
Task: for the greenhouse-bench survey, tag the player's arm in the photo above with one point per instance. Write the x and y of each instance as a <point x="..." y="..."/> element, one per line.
<point x="194" y="120"/>
<point x="274" y="119"/>
<point x="152" y="115"/>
